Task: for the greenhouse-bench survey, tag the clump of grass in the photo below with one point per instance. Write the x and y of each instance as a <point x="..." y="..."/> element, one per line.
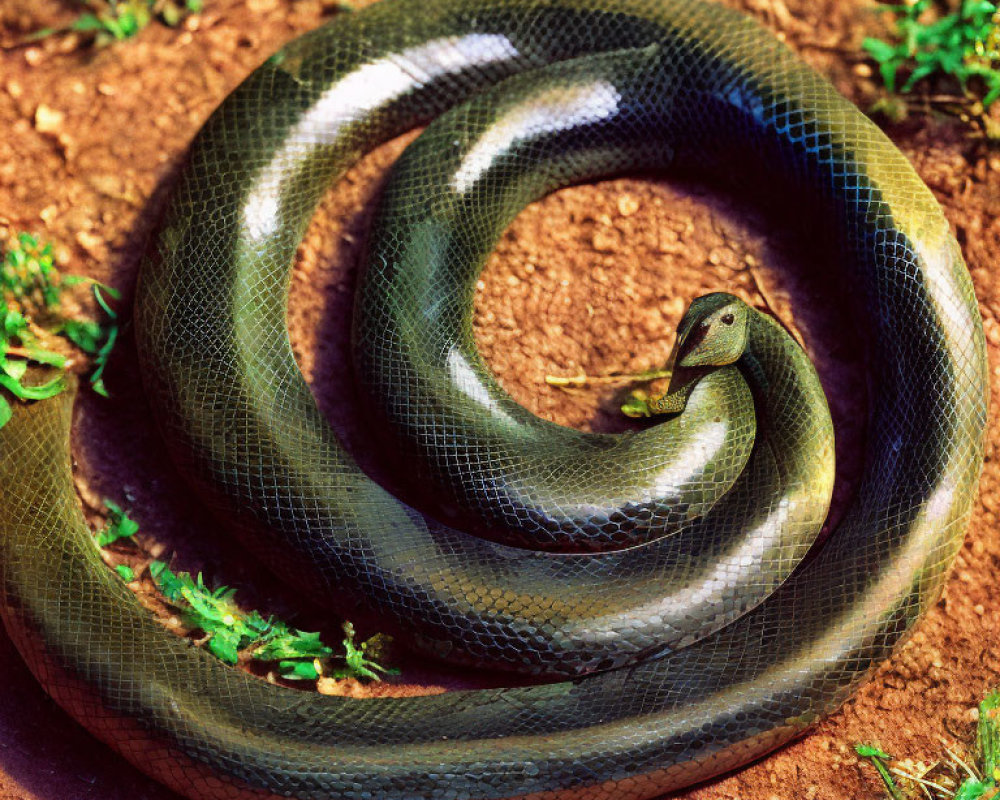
<point x="963" y="45"/>
<point x="233" y="634"/>
<point x="29" y="275"/>
<point x="110" y="21"/>
<point x="32" y="322"/>
<point x="952" y="777"/>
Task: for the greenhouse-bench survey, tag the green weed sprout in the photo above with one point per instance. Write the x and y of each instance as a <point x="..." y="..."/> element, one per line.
<point x="988" y="737"/>
<point x="18" y="347"/>
<point x="96" y="339"/>
<point x="31" y="292"/>
<point x="964" y="45"/>
<point x="231" y="633"/>
<point x="119" y="526"/>
<point x="117" y="20"/>
<point x="879" y="758"/>
<point x="952" y="778"/>
<point x="28" y="273"/>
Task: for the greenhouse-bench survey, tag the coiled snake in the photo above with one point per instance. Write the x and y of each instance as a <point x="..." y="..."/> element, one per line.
<point x="583" y="88"/>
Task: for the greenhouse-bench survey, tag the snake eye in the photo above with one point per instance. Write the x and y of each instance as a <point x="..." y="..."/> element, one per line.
<point x="728" y="319"/>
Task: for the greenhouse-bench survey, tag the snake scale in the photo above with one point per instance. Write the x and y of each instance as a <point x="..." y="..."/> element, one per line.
<point x="531" y="95"/>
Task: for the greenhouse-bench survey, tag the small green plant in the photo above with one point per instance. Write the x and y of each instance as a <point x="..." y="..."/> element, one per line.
<point x="880" y="759"/>
<point x="230" y="633"/>
<point x="116" y="20"/>
<point x="19" y="347"/>
<point x="118" y="526"/>
<point x="28" y="273"/>
<point x="988" y="737"/>
<point x="964" y="45"/>
<point x="95" y="339"/>
<point x="31" y="320"/>
<point x="357" y="663"/>
<point x="952" y="778"/>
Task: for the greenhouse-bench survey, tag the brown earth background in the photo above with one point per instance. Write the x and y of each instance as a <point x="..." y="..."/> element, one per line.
<point x="592" y="278"/>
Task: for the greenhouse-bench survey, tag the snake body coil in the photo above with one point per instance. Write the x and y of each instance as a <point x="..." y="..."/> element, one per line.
<point x="597" y="87"/>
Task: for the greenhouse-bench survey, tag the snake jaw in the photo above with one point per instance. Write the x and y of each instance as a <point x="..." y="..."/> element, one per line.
<point x="674" y="399"/>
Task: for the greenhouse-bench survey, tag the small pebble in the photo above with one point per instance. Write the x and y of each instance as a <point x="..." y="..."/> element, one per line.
<point x="627" y="205"/>
<point x="604" y="242"/>
<point x="90" y="242"/>
<point x="48" y="119"/>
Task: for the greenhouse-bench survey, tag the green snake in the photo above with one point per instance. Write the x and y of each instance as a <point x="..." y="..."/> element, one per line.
<point x="541" y="93"/>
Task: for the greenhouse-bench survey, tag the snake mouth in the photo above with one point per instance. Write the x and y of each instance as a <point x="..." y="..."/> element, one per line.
<point x="683" y="381"/>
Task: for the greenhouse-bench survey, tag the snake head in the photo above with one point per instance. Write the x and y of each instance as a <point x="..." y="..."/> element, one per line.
<point x="712" y="334"/>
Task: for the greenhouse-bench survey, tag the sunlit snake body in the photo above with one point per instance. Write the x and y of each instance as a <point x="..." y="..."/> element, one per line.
<point x="683" y="83"/>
